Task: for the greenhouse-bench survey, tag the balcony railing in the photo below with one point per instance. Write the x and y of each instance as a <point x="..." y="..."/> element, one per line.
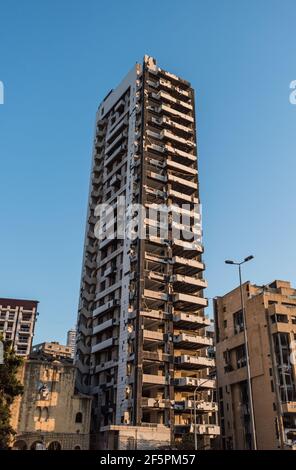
<point x="184" y="340"/>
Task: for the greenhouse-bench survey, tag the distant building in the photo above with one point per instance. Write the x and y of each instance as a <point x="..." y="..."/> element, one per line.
<point x="270" y="313"/>
<point x="49" y="415"/>
<point x="17" y="323"/>
<point x="54" y="349"/>
<point x="71" y="341"/>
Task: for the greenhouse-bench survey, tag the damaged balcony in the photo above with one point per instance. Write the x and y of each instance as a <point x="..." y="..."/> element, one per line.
<point x="150" y="335"/>
<point x="151" y="294"/>
<point x="168" y="135"/>
<point x="105" y="344"/>
<point x="180" y="167"/>
<point x="105" y="325"/>
<point x="190" y="321"/>
<point x="208" y="429"/>
<point x="122" y="136"/>
<point x="154" y="379"/>
<point x="190" y="383"/>
<point x="166" y="109"/>
<point x="194" y="362"/>
<point x="106" y="307"/>
<point x="181" y="184"/>
<point x="179" y="104"/>
<point x="118" y="152"/>
<point x="186" y="301"/>
<point x="181" y="197"/>
<point x="155" y="403"/>
<point x="190" y="248"/>
<point x="188" y="266"/>
<point x="200" y="406"/>
<point x="153" y="314"/>
<point x="187" y="283"/>
<point x="191" y="341"/>
<point x="166" y="122"/>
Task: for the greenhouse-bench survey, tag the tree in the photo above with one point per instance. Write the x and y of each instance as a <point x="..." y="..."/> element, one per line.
<point x="10" y="388"/>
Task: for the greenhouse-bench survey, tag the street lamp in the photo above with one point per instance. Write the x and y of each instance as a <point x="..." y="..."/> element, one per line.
<point x="249" y="380"/>
<point x="194" y="400"/>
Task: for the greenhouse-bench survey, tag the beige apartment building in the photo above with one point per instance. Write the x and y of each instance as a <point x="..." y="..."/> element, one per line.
<point x="142" y="344"/>
<point x="17" y="323"/>
<point x="54" y="348"/>
<point x="270" y="313"/>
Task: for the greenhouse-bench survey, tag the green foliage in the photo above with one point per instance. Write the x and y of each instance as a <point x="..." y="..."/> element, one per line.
<point x="10" y="387"/>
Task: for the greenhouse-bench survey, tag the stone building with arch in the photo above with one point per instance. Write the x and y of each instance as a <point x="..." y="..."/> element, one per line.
<point x="50" y="415"/>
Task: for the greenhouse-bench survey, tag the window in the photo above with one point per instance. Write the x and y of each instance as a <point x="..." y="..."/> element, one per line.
<point x="54" y="445"/>
<point x="78" y="417"/>
<point x="241" y="360"/>
<point x="238" y="322"/>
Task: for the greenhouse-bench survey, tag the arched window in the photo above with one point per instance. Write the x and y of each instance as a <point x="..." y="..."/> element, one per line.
<point x="54" y="445"/>
<point x="19" y="445"/>
<point x="78" y="417"/>
<point x="38" y="445"/>
<point x="77" y="448"/>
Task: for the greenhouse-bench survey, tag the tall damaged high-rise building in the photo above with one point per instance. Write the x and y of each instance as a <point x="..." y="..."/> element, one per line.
<point x="143" y="348"/>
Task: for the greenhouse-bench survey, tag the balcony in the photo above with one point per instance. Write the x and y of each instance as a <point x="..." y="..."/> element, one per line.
<point x="119" y="138"/>
<point x="190" y="341"/>
<point x="151" y="294"/>
<point x="105" y="365"/>
<point x="156" y="176"/>
<point x="153" y="314"/>
<point x="166" y="96"/>
<point x="116" y="127"/>
<point x="289" y="407"/>
<point x="200" y="406"/>
<point x="182" y="184"/>
<point x="186" y="301"/>
<point x="107" y="343"/>
<point x="154" y="379"/>
<point x="116" y="153"/>
<point x="153" y="335"/>
<point x="109" y="271"/>
<point x="182" y="168"/>
<point x="154" y="403"/>
<point x="208" y="429"/>
<point x="194" y="362"/>
<point x="165" y="121"/>
<point x="163" y="108"/>
<point x="190" y="321"/>
<point x="106" y="307"/>
<point x="104" y="326"/>
<point x="191" y="265"/>
<point x="80" y="346"/>
<point x="189" y="383"/>
<point x="179" y="280"/>
<point x="182" y="197"/>
<point x="155" y="356"/>
<point x="192" y="247"/>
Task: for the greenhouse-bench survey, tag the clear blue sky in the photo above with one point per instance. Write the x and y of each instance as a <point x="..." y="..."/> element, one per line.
<point x="58" y="59"/>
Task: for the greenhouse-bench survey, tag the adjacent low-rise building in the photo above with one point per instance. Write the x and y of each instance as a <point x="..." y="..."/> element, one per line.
<point x="270" y="313"/>
<point x="53" y="348"/>
<point x="50" y="415"/>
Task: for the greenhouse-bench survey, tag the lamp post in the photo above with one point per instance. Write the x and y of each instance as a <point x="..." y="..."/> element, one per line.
<point x="194" y="400"/>
<point x="249" y="380"/>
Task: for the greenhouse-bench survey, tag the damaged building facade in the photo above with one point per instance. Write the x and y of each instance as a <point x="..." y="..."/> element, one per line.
<point x="142" y="344"/>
